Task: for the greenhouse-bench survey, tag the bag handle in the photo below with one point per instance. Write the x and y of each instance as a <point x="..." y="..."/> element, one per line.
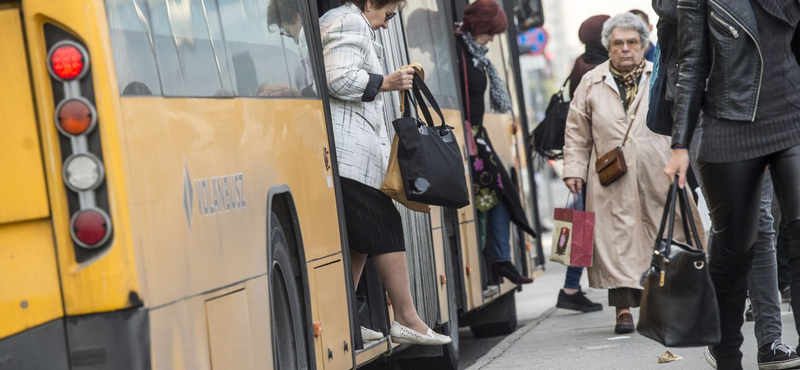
<point x="669" y="217"/>
<point x="466" y="82"/>
<point x="420" y="87"/>
<point x="564" y="87"/>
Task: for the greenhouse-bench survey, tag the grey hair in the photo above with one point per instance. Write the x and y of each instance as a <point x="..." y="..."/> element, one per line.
<point x="625" y="21"/>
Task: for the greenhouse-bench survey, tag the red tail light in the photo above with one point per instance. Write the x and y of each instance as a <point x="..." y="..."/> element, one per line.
<point x="68" y="61"/>
<point x="90" y="228"/>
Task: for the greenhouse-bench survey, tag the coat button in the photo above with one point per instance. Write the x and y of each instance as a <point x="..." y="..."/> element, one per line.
<point x="629" y="140"/>
<point x="630" y="163"/>
<point x="633" y="117"/>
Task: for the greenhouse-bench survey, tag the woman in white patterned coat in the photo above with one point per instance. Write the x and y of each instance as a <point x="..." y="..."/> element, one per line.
<point x="355" y="80"/>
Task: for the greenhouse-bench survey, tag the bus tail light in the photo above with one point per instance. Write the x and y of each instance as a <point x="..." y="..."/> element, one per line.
<point x="79" y="125"/>
<point x="90" y="228"/>
<point x="68" y="61"/>
<point x="75" y="116"/>
<point x="83" y="172"/>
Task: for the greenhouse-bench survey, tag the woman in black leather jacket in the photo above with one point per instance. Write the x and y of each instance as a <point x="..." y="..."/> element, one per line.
<point x="739" y="76"/>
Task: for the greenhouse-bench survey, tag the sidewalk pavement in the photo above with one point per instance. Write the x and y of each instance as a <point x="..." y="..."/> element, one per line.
<point x="555" y="339"/>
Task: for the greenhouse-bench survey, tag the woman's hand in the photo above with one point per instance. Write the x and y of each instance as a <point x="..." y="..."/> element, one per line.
<point x="575" y="184"/>
<point x="678" y="164"/>
<point x="399" y="80"/>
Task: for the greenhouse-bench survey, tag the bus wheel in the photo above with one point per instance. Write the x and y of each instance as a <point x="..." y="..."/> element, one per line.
<point x="288" y="334"/>
<point x="506" y="309"/>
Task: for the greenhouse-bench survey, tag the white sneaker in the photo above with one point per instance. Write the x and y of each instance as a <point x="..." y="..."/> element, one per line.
<point x="369" y="335"/>
<point x="403" y="335"/>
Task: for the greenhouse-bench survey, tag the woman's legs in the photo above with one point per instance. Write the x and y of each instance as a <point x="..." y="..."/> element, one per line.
<point x="394" y="275"/>
<point x="499" y="231"/>
<point x="762" y="282"/>
<point x="357" y="262"/>
<point x="733" y="192"/>
<point x="393" y="272"/>
<point x="785" y="169"/>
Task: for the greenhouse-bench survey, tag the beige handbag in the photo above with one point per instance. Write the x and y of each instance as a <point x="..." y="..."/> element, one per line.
<point x="393" y="182"/>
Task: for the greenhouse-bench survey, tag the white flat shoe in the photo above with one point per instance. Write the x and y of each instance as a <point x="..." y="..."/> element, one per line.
<point x="369" y="335"/>
<point x="403" y="335"/>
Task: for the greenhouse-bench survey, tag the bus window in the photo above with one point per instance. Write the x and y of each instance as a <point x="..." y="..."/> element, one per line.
<point x="429" y="34"/>
<point x="128" y="22"/>
<point x="267" y="43"/>
<point x="191" y="57"/>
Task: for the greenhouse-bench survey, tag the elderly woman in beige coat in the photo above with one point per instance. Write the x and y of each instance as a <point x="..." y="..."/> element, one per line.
<point x="610" y="99"/>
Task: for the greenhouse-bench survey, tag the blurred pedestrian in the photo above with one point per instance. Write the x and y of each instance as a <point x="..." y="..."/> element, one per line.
<point x="374" y="227"/>
<point x="571" y="297"/>
<point x="611" y="100"/>
<point x="285" y="15"/>
<point x="650" y="51"/>
<point x="746" y="95"/>
<point x="496" y="196"/>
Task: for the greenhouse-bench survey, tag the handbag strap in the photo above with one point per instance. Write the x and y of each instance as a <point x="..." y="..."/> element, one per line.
<point x="626" y="133"/>
<point x="419" y="88"/>
<point x="466" y="82"/>
<point x="630" y="125"/>
<point x="564" y="87"/>
<point x="668" y="218"/>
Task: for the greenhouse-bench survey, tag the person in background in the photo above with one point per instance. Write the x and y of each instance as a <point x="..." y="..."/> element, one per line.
<point x="765" y="307"/>
<point x="747" y="99"/>
<point x="285" y="15"/>
<point x="610" y="99"/>
<point x="572" y="297"/>
<point x="650" y="52"/>
<point x="374" y="227"/>
<point x="496" y="196"/>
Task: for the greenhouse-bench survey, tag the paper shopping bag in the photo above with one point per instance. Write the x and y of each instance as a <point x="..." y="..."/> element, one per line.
<point x="573" y="236"/>
<point x="562" y="235"/>
<point x="393" y="183"/>
<point x="582" y="243"/>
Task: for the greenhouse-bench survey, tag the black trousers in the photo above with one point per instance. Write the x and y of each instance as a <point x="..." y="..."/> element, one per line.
<point x="784" y="273"/>
<point x="733" y="193"/>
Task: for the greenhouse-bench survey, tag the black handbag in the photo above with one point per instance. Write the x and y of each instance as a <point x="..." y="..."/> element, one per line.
<point x="429" y="156"/>
<point x="548" y="137"/>
<point x="679" y="304"/>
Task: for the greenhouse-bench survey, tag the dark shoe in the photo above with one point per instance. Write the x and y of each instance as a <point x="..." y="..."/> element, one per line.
<point x="577" y="302"/>
<point x="748" y="315"/>
<point x="507" y="270"/>
<point x="624" y="324"/>
<point x="709" y="355"/>
<point x="786" y="294"/>
<point x="777" y="356"/>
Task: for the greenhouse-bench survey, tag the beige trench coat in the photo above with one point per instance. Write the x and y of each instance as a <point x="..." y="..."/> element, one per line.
<point x="627" y="212"/>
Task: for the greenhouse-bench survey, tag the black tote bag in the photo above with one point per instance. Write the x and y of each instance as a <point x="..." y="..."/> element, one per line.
<point x="679" y="305"/>
<point x="548" y="137"/>
<point x="429" y="156"/>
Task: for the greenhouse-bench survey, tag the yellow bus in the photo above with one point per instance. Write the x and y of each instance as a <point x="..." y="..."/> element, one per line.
<point x="171" y="195"/>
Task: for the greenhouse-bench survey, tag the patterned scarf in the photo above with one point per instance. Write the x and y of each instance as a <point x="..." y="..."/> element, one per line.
<point x="630" y="80"/>
<point x="499" y="99"/>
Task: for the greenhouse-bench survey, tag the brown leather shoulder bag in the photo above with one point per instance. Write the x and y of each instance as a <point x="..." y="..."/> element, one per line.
<point x="611" y="166"/>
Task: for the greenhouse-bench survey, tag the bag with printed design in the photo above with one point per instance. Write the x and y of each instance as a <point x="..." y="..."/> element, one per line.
<point x="573" y="236"/>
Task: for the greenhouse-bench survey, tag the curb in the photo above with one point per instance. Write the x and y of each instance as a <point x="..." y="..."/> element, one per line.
<point x="506" y="343"/>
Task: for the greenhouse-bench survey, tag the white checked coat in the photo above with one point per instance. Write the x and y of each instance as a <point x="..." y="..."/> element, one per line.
<point x="351" y="54"/>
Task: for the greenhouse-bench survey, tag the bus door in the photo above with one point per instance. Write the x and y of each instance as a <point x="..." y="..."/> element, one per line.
<point x="30" y="295"/>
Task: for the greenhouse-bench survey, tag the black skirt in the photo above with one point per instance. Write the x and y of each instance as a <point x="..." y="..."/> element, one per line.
<point x="373" y="223"/>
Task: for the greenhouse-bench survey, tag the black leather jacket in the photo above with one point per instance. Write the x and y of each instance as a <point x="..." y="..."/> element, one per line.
<point x="720" y="64"/>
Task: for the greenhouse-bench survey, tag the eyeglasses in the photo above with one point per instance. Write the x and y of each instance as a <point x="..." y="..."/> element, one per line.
<point x="391" y="15"/>
<point x="632" y="44"/>
<point x="286" y="33"/>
